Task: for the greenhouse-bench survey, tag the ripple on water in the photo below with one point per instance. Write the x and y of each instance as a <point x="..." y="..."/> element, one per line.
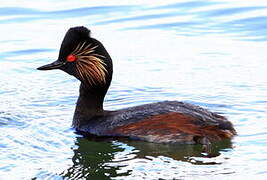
<point x="208" y="53"/>
<point x="7" y="119"/>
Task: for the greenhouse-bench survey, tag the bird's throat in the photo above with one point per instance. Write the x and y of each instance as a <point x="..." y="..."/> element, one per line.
<point x="89" y="104"/>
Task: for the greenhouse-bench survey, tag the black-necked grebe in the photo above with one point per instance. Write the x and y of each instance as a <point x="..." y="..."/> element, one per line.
<point x="86" y="58"/>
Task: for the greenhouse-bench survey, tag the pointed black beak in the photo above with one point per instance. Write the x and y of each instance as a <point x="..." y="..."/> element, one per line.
<point x="54" y="65"/>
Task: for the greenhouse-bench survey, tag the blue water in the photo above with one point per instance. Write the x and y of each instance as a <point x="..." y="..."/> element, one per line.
<point x="209" y="53"/>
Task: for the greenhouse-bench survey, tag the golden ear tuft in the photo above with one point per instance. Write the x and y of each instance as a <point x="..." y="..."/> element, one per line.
<point x="90" y="66"/>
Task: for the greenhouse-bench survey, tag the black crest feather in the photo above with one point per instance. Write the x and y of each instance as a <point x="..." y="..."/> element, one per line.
<point x="73" y="37"/>
<point x="80" y="30"/>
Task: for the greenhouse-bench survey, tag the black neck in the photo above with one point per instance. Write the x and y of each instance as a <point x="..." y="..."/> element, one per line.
<point x="89" y="104"/>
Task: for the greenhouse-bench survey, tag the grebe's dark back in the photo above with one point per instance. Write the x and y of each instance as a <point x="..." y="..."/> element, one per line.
<point x="86" y="58"/>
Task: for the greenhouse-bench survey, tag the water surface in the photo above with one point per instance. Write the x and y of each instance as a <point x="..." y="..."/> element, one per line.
<point x="209" y="53"/>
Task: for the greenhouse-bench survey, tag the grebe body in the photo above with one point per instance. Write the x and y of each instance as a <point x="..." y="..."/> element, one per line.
<point x="161" y="122"/>
<point x="86" y="58"/>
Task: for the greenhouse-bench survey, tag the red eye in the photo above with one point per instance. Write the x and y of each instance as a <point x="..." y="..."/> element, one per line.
<point x="71" y="58"/>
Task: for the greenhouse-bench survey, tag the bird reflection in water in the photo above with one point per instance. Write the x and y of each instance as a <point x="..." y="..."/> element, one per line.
<point x="95" y="157"/>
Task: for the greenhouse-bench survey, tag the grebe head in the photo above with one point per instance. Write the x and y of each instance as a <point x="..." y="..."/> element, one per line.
<point x="84" y="57"/>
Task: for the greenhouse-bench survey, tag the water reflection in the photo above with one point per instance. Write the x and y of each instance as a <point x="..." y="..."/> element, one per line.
<point x="180" y="151"/>
<point x="90" y="158"/>
<point x="102" y="158"/>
